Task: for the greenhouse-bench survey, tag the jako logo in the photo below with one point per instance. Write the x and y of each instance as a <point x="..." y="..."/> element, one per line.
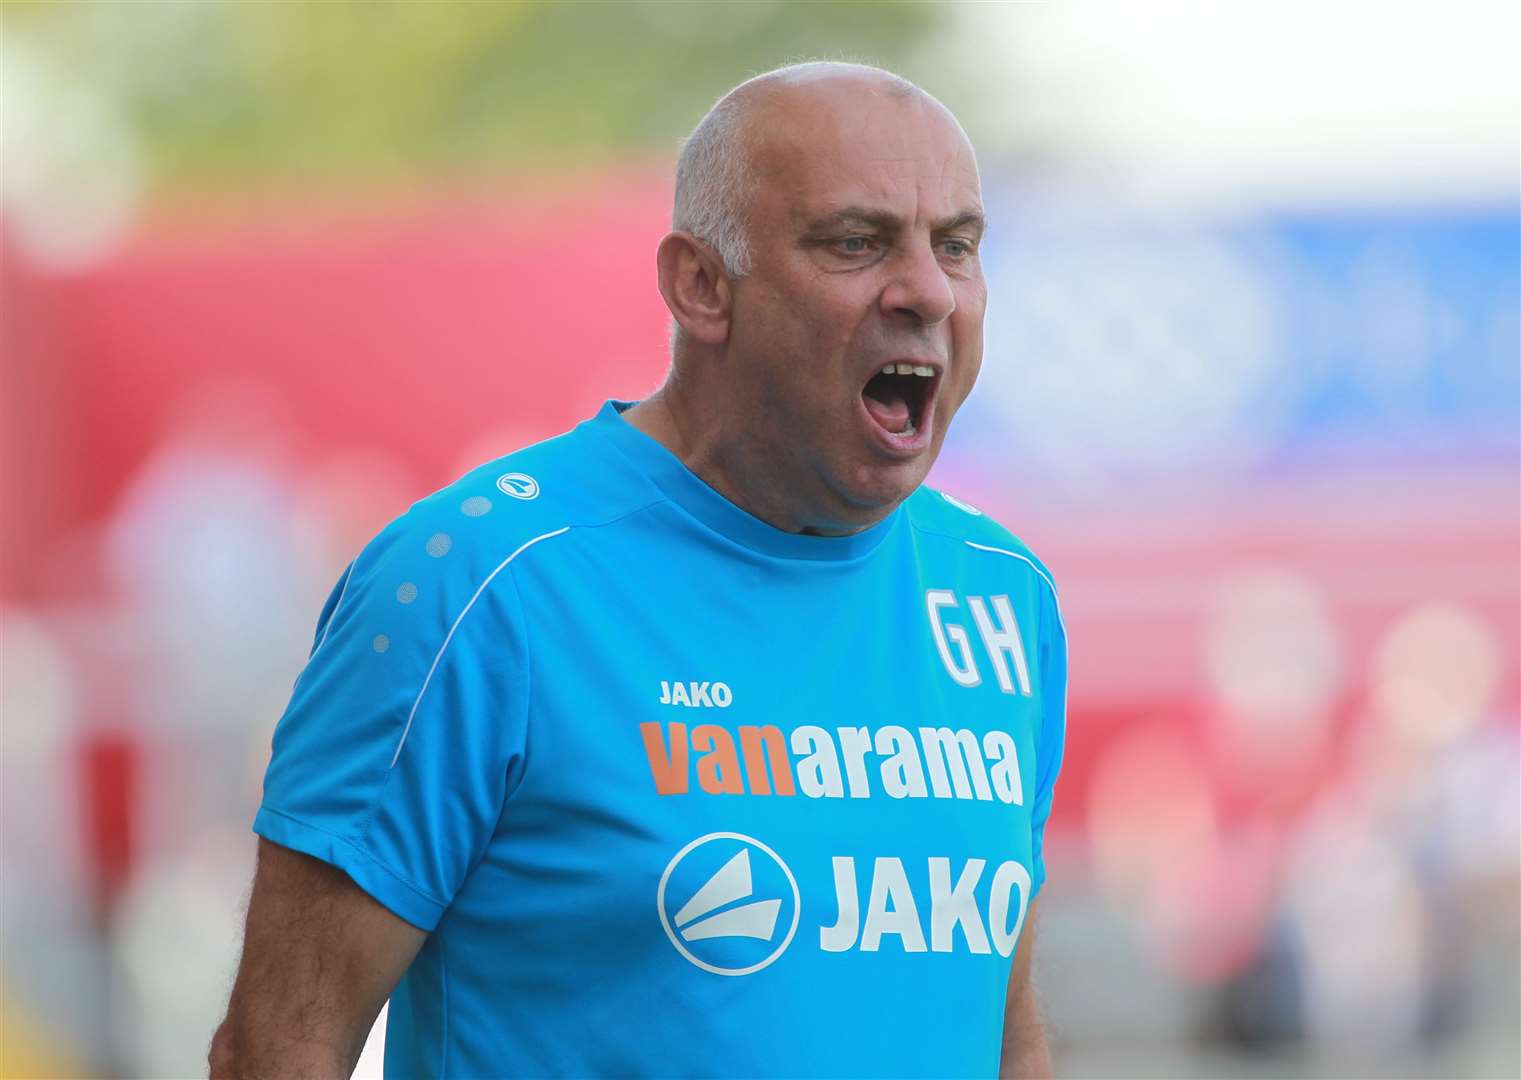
<point x="518" y="485"/>
<point x="696" y="695"/>
<point x="706" y="906"/>
<point x="959" y="505"/>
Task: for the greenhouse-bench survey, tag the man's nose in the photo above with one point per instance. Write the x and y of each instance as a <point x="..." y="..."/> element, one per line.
<point x="919" y="287"/>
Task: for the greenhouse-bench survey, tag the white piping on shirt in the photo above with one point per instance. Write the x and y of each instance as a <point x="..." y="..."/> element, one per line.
<point x="450" y="635"/>
<point x="1055" y="599"/>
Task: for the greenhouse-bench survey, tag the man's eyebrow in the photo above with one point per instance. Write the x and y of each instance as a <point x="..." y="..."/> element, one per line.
<point x="855" y="215"/>
<point x="973" y="219"/>
<point x="881" y="219"/>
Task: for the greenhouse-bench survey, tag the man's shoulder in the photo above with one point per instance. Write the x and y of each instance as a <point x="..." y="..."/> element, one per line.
<point x="940" y="514"/>
<point x="498" y="509"/>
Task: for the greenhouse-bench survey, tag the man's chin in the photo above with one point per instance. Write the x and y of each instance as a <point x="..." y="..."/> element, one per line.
<point x="876" y="490"/>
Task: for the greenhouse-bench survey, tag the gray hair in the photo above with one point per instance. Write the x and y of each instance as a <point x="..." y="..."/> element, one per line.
<point x="712" y="184"/>
<point x="713" y="174"/>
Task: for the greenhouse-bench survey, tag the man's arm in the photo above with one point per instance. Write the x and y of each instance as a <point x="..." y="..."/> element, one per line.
<point x="320" y="957"/>
<point x="1025" y="1053"/>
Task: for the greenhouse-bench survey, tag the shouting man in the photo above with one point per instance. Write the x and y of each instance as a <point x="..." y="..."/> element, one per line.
<point x="703" y="739"/>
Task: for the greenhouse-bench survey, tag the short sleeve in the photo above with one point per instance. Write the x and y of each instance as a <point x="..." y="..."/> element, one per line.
<point x="405" y="731"/>
<point x="1053" y="730"/>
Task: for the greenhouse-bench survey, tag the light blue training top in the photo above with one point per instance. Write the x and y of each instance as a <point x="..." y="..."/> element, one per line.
<point x="677" y="793"/>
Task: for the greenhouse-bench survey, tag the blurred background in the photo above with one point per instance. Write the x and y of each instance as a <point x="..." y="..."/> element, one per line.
<point x="273" y="271"/>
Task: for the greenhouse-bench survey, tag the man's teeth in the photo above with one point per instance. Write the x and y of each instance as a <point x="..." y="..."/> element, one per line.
<point x="908" y="369"/>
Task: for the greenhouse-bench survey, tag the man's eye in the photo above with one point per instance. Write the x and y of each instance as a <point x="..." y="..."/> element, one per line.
<point x="957" y="249"/>
<point x="855" y="245"/>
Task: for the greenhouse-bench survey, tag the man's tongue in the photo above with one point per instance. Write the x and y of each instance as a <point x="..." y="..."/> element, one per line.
<point x="887" y="407"/>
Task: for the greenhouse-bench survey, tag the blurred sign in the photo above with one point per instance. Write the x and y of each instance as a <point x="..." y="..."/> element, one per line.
<point x="1121" y="347"/>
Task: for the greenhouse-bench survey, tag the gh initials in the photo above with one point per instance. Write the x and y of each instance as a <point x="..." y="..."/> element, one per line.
<point x="1000" y="638"/>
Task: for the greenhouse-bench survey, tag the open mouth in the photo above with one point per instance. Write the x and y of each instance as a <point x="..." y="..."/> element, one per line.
<point x="899" y="399"/>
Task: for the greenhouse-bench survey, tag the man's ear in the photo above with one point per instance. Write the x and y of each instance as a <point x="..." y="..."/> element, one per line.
<point x="695" y="286"/>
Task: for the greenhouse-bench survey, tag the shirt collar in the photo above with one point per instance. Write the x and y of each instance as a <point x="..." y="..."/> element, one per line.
<point x="692" y="494"/>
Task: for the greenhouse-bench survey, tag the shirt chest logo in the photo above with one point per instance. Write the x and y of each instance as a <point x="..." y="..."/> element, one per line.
<point x="728" y="903"/>
<point x="696" y="695"/>
<point x="731" y="906"/>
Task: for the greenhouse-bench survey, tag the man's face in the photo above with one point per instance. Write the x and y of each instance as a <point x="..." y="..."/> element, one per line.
<point x="864" y="225"/>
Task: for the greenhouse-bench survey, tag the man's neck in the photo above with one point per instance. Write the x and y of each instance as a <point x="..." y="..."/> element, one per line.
<point x="709" y="451"/>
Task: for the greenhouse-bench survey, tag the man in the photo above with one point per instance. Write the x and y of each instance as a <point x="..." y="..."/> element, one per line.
<point x="700" y="740"/>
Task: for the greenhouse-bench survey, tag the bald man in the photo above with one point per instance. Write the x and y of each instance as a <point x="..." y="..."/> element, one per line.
<point x="703" y="739"/>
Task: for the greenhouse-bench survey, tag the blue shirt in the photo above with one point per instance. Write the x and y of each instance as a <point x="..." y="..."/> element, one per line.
<point x="676" y="792"/>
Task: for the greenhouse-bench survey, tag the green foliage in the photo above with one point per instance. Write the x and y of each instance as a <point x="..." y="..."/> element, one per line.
<point x="235" y="92"/>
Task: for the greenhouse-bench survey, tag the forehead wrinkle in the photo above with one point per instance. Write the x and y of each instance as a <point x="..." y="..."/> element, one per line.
<point x="791" y="130"/>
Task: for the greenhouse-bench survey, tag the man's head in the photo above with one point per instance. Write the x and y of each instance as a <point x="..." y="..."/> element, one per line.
<point x="827" y="222"/>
